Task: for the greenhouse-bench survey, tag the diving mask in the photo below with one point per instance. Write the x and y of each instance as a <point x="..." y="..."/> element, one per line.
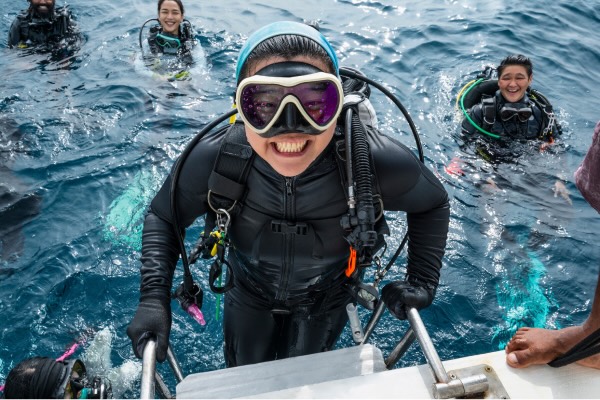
<point x="290" y="97"/>
<point x="167" y="42"/>
<point x="75" y="384"/>
<point x="521" y="111"/>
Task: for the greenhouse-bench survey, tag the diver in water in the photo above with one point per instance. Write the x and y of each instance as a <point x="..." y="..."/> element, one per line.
<point x="173" y="34"/>
<point x="43" y="24"/>
<point x="90" y="375"/>
<point x="500" y="116"/>
<point x="510" y="114"/>
<point x="46" y="378"/>
<point x="274" y="185"/>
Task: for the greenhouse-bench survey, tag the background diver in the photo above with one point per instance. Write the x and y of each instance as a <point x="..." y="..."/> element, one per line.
<point x="43" y="24"/>
<point x="173" y="35"/>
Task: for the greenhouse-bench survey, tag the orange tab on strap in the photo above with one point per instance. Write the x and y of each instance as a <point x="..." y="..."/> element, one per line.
<point x="351" y="262"/>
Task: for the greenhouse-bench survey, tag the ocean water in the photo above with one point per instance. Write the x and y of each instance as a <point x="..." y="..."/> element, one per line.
<point x="85" y="142"/>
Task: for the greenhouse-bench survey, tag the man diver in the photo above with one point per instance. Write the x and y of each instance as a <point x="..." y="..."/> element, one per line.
<point x="42" y="24"/>
<point x="289" y="229"/>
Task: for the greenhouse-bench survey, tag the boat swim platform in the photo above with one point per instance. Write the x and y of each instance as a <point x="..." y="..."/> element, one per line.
<point x="360" y="372"/>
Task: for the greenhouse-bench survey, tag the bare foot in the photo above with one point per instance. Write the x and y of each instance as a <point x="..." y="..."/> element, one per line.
<point x="533" y="346"/>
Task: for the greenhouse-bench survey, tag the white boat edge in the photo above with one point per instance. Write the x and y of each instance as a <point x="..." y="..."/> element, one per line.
<point x="359" y="372"/>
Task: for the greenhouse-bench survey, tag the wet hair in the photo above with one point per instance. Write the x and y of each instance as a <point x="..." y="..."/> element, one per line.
<point x="179" y="3"/>
<point x="287" y="47"/>
<point x="35" y="378"/>
<point x="516" y="59"/>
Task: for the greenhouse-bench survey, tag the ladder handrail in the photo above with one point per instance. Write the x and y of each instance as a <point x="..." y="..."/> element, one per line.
<point x="445" y="386"/>
<point x="148" y="370"/>
<point x="427" y="346"/>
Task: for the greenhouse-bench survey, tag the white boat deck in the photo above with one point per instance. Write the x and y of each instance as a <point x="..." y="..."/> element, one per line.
<point x="359" y="372"/>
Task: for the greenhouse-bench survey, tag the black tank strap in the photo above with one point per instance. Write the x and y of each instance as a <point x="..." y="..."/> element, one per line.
<point x="586" y="348"/>
<point x="24" y="26"/>
<point x="227" y="181"/>
<point x="488" y="108"/>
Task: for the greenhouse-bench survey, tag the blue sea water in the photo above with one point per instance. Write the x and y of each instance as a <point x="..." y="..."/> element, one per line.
<point x="85" y="142"/>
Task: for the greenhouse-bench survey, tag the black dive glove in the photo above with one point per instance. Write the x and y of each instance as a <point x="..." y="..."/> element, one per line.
<point x="151" y="320"/>
<point x="400" y="295"/>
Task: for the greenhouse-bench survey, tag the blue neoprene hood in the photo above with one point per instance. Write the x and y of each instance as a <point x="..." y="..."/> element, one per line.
<point x="283" y="28"/>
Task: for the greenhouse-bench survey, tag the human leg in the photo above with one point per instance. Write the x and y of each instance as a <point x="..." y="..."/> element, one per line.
<point x="250" y="332"/>
<point x="308" y="333"/>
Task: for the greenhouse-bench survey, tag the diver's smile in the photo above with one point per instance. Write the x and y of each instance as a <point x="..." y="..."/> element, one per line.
<point x="290" y="146"/>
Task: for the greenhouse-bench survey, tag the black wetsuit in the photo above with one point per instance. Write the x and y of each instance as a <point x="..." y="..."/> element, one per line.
<point x="510" y="132"/>
<point x="510" y="129"/>
<point x="288" y="298"/>
<point x="31" y="29"/>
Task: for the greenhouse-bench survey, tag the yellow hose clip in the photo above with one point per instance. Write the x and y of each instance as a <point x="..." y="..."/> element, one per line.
<point x="217" y="234"/>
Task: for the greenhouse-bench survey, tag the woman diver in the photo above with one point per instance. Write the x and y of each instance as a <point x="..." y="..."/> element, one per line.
<point x="275" y="184"/>
<point x="173" y="34"/>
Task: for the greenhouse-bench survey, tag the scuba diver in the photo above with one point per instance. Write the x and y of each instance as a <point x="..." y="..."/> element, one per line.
<point x="46" y="378"/>
<point x="513" y="111"/>
<point x="173" y="35"/>
<point x="293" y="194"/>
<point x="500" y="115"/>
<point x="43" y="24"/>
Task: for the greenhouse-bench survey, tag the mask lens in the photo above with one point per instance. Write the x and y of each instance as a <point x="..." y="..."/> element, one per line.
<point x="260" y="103"/>
<point x="524" y="114"/>
<point x="507" y="113"/>
<point x="320" y="100"/>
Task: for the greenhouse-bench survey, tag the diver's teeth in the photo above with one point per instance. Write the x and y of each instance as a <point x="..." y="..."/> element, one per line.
<point x="286" y="147"/>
